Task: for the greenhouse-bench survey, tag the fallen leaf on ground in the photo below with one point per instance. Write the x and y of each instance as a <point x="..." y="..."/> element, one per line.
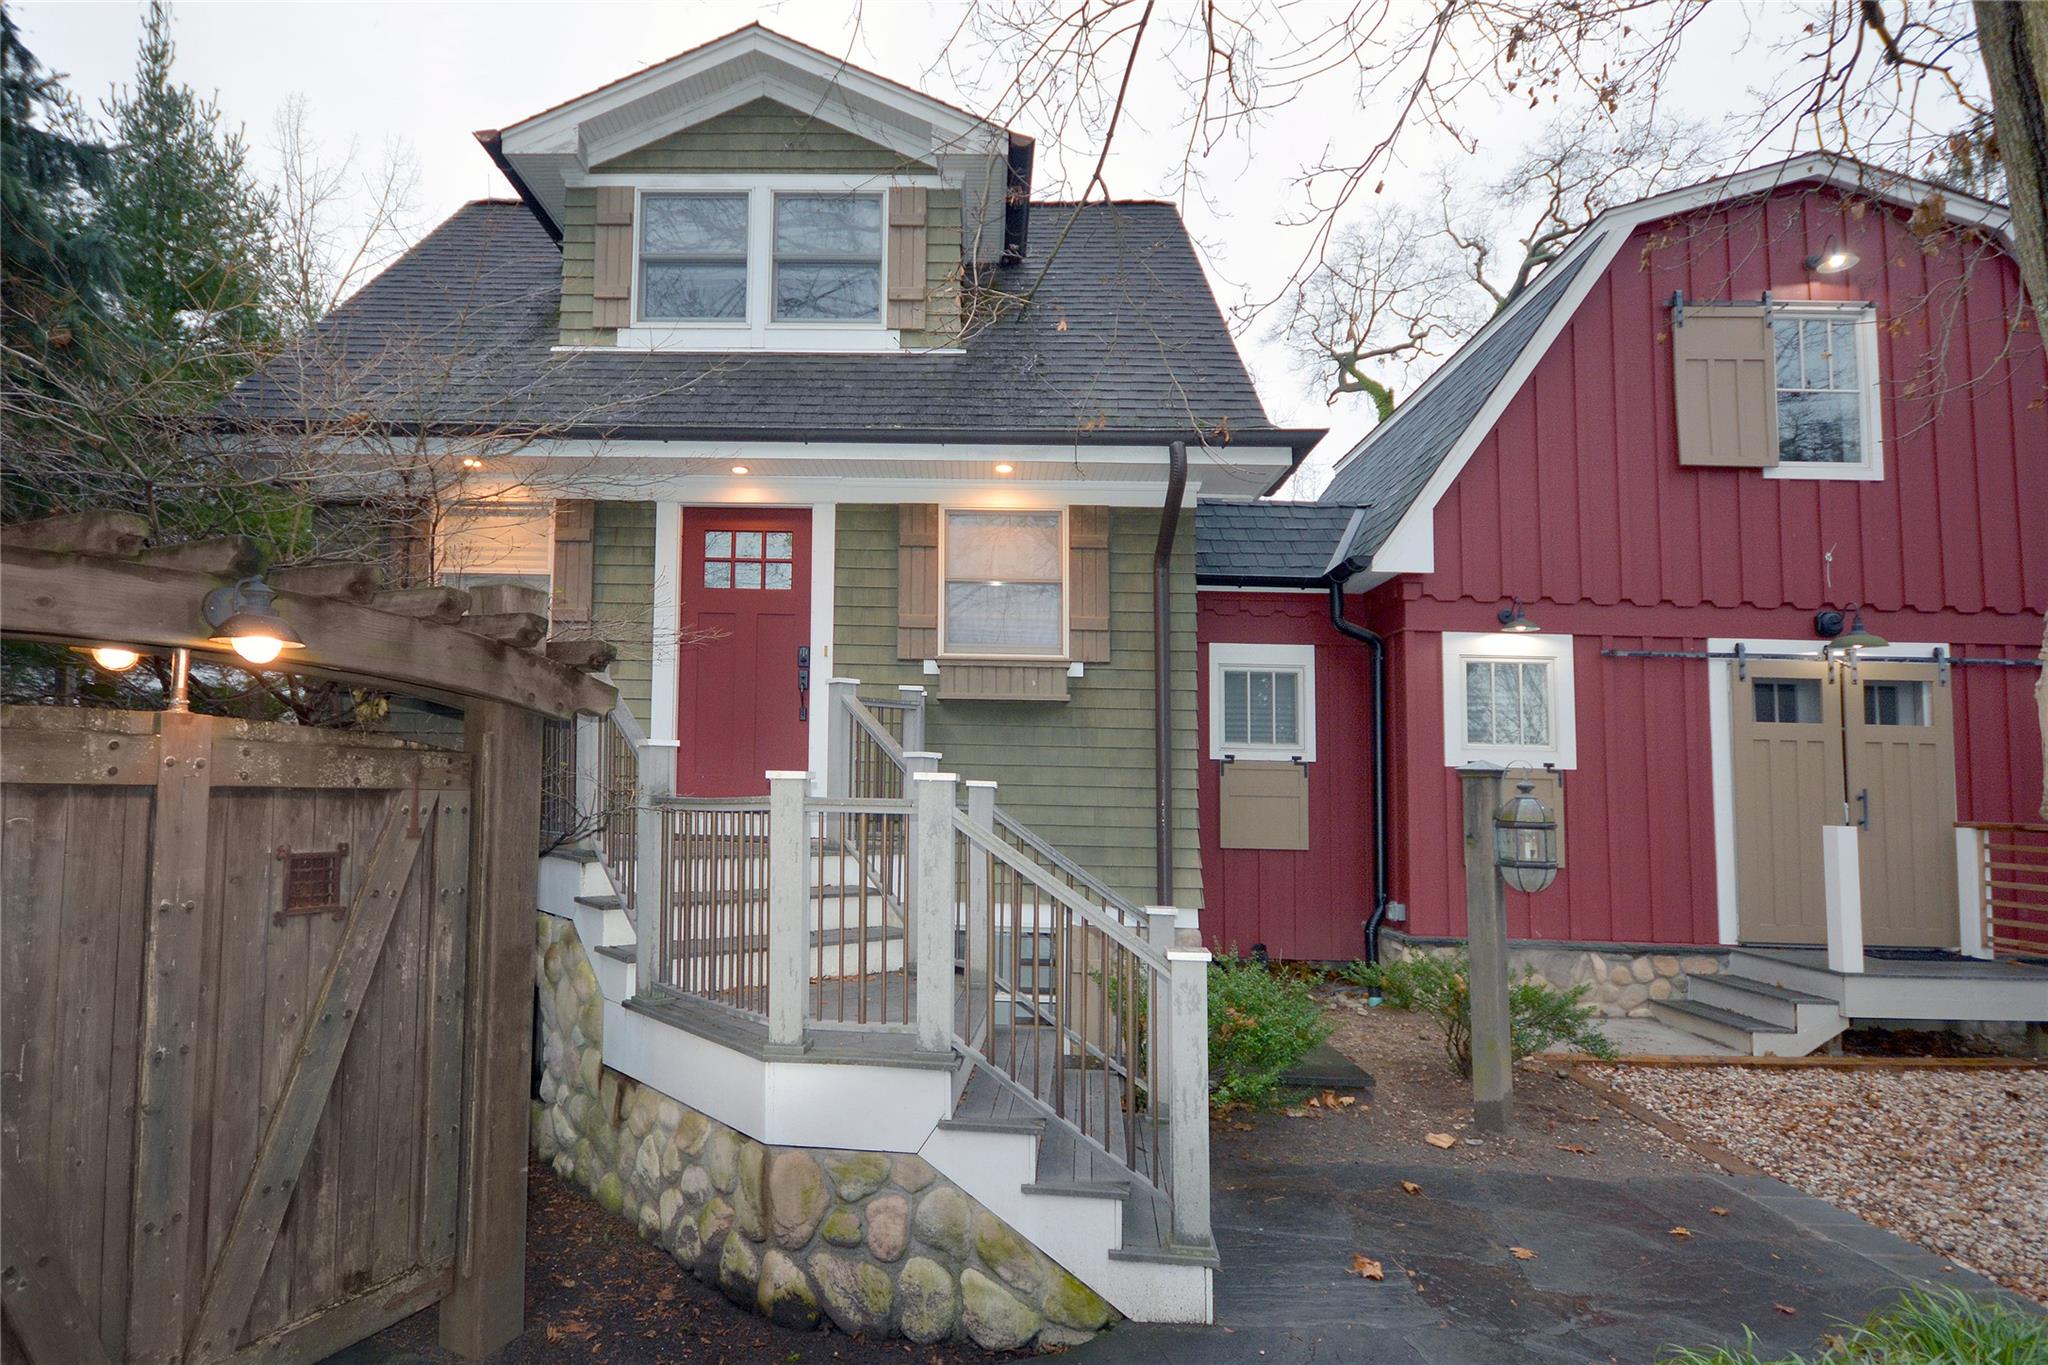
<point x="1332" y="1100"/>
<point x="1681" y="1232"/>
<point x="1522" y="1253"/>
<point x="1718" y="1211"/>
<point x="1368" y="1268"/>
<point x="1443" y="1140"/>
<point x="1787" y="1309"/>
<point x="1575" y="1148"/>
<point x="1410" y="1187"/>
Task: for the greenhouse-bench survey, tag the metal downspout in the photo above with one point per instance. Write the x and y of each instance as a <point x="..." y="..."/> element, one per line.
<point x="1378" y="647"/>
<point x="1162" y="663"/>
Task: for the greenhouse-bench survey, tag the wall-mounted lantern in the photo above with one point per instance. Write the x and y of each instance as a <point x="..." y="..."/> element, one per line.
<point x="1513" y="620"/>
<point x="245" y="618"/>
<point x="1827" y="623"/>
<point x="1525" y="840"/>
<point x="1831" y="259"/>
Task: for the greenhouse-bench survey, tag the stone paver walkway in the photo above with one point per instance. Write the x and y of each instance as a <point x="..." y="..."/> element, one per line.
<point x="1609" y="1279"/>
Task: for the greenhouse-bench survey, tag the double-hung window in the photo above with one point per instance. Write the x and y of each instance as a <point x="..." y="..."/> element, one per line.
<point x="1005" y="588"/>
<point x="1508" y="699"/>
<point x="693" y="257"/>
<point x="1825" y="358"/>
<point x="828" y="258"/>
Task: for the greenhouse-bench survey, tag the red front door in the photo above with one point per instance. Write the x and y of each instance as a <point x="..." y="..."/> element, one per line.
<point x="745" y="648"/>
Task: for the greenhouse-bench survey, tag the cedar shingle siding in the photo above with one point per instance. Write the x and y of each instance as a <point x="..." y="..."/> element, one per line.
<point x="622" y="592"/>
<point x="1079" y="772"/>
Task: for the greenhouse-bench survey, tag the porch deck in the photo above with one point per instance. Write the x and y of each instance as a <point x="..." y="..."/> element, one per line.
<point x="1944" y="968"/>
<point x="1957" y="989"/>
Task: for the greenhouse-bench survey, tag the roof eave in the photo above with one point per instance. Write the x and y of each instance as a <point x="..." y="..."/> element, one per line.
<point x="493" y="145"/>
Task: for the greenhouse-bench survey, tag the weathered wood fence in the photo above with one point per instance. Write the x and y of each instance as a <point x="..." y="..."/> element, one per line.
<point x="266" y="988"/>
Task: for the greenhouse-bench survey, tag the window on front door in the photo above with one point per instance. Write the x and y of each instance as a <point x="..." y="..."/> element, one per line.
<point x="749" y="559"/>
<point x="1787" y="701"/>
<point x="1005" y="584"/>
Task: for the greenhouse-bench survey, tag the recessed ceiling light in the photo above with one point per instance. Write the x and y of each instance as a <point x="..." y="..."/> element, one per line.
<point x="1006" y="469"/>
<point x="472" y="462"/>
<point x="740" y="469"/>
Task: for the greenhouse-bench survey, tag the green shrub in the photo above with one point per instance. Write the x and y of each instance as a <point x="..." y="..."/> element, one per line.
<point x="1260" y="1024"/>
<point x="1947" y="1327"/>
<point x="1539" y="1014"/>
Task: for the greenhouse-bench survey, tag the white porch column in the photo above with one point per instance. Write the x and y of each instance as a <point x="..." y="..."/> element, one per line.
<point x="1187" y="1094"/>
<point x="1842" y="879"/>
<point x="789" y="911"/>
<point x="1971" y="940"/>
<point x="932" y="902"/>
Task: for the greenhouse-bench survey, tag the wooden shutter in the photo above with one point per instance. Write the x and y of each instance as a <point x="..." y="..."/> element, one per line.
<point x="1262" y="805"/>
<point x="1726" y="387"/>
<point x="1088" y="583"/>
<point x="572" y="582"/>
<point x="906" y="258"/>
<point x="612" y="285"/>
<point x="917" y="581"/>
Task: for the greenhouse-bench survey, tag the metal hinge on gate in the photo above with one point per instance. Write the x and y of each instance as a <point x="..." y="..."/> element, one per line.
<point x="312" y="882"/>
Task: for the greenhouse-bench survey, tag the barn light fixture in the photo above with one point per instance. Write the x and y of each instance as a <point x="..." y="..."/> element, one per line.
<point x="243" y="617"/>
<point x="1831" y="259"/>
<point x="1513" y="620"/>
<point x="1827" y="623"/>
<point x="1525" y="840"/>
<point x="111" y="658"/>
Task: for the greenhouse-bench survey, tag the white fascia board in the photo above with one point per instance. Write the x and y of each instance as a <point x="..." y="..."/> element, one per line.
<point x="827" y="105"/>
<point x="716" y="490"/>
<point x="739" y="180"/>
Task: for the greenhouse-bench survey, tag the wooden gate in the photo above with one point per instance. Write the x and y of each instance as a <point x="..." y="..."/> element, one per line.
<point x="234" y="959"/>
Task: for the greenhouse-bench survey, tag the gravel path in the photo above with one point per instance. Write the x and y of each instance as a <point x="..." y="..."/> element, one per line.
<point x="1954" y="1160"/>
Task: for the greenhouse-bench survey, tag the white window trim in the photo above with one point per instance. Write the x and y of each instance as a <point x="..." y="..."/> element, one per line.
<point x="1066" y="650"/>
<point x="1870" y="468"/>
<point x="1297" y="659"/>
<point x="759" y="331"/>
<point x="1499" y="646"/>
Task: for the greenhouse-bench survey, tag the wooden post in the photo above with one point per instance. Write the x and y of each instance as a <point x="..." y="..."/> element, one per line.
<point x="913" y="715"/>
<point x="1159" y="932"/>
<point x="789" y="909"/>
<point x="652" y="869"/>
<point x="1973" y="938"/>
<point x="932" y="903"/>
<point x="1486" y="933"/>
<point x="486" y="1307"/>
<point x="839" y="736"/>
<point x="1187" y="1093"/>
<point x="1841" y="864"/>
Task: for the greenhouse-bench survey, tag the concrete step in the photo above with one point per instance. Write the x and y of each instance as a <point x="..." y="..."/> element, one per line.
<point x="1775" y="1005"/>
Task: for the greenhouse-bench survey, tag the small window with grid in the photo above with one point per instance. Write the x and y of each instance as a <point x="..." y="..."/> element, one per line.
<point x="763" y="560"/>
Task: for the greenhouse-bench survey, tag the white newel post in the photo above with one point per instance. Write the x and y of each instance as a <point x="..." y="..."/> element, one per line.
<point x="932" y="901"/>
<point x="1187" y="1094"/>
<point x="913" y="715"/>
<point x="1971" y="939"/>
<point x="588" y="735"/>
<point x="981" y="809"/>
<point x="789" y="843"/>
<point x="1159" y="932"/>
<point x="650" y="862"/>
<point x="1842" y="879"/>
<point x="839" y="736"/>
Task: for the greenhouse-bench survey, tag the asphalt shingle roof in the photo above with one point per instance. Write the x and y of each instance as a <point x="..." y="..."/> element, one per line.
<point x="1124" y="337"/>
<point x="1265" y="542"/>
<point x="1388" y="469"/>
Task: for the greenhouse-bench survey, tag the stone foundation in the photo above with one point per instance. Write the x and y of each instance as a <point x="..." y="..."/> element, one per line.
<point x="879" y="1244"/>
<point x="1621" y="981"/>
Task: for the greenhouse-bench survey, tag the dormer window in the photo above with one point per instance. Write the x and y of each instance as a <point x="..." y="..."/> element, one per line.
<point x="828" y="258"/>
<point x="693" y="257"/>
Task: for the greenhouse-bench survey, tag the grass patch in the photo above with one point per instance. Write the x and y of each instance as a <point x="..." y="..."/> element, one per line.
<point x="1947" y="1327"/>
<point x="1261" y="1022"/>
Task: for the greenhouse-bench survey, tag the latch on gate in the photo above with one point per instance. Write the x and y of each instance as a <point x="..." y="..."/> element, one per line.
<point x="312" y="882"/>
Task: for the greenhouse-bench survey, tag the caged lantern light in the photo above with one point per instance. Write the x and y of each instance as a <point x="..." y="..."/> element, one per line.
<point x="1525" y="840"/>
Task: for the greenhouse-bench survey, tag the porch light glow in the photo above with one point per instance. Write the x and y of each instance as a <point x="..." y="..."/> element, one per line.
<point x="244" y="618"/>
<point x="1832" y="259"/>
<point x="1006" y="468"/>
<point x="112" y="658"/>
<point x="472" y="462"/>
<point x="1857" y="637"/>
<point x="1525" y="841"/>
<point x="1514" y="621"/>
<point x="741" y="469"/>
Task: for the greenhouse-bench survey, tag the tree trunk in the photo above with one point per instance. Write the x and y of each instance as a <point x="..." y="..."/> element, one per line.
<point x="2014" y="40"/>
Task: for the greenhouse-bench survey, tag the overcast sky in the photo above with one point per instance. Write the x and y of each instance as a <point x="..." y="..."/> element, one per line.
<point x="428" y="75"/>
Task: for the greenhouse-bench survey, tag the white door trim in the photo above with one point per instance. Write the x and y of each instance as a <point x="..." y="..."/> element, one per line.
<point x="1721" y="754"/>
<point x="665" y="670"/>
<point x="824" y="554"/>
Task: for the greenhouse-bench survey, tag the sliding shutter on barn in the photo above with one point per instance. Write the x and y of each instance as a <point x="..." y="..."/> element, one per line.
<point x="611" y="292"/>
<point x="919" y="579"/>
<point x="1725" y="381"/>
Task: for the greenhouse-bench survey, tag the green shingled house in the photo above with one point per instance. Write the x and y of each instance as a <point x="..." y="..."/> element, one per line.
<point x="872" y="467"/>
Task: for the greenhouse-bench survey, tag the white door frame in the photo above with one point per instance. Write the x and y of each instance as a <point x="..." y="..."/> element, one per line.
<point x="1721" y="746"/>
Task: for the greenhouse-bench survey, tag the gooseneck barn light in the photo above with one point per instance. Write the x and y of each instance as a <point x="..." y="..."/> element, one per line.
<point x="1514" y="621"/>
<point x="1832" y="259"/>
<point x="1525" y="840"/>
<point x="1828" y="623"/>
<point x="243" y="617"/>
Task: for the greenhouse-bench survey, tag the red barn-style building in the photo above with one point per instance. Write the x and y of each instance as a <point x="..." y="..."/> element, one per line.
<point x="1727" y="429"/>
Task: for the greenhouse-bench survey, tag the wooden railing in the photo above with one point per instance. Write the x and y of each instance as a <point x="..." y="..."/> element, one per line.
<point x="1062" y="868"/>
<point x="859" y="929"/>
<point x="2004" y="873"/>
<point x="712" y="942"/>
<point x="559" y="822"/>
<point x="618" y="748"/>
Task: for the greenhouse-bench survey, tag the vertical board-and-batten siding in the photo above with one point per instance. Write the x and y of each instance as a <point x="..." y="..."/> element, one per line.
<point x="1079" y="772"/>
<point x="622" y="596"/>
<point x="1576" y="502"/>
<point x="769" y="139"/>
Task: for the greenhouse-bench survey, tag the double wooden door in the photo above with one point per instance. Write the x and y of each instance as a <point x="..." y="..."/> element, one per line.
<point x="230" y="1106"/>
<point x="1870" y="745"/>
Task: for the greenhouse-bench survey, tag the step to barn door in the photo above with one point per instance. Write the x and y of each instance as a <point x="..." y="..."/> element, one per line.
<point x="1109" y="1227"/>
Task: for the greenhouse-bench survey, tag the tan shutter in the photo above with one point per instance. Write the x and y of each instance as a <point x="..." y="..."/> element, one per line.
<point x="917" y="581"/>
<point x="1088" y="582"/>
<point x="574" y="566"/>
<point x="1262" y="805"/>
<point x="612" y="288"/>
<point x="906" y="258"/>
<point x="1726" y="383"/>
